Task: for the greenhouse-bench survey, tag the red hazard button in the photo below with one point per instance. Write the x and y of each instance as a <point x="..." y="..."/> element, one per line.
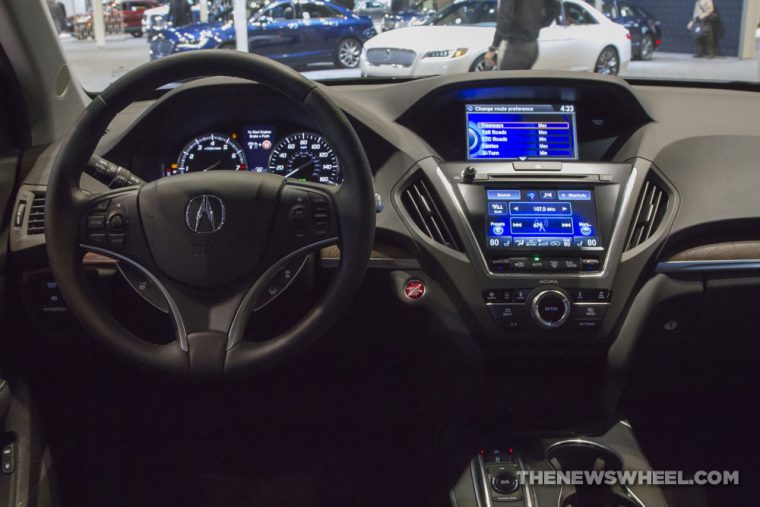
<point x="414" y="289"/>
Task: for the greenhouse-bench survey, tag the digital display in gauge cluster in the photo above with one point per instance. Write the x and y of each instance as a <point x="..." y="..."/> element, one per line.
<point x="301" y="155"/>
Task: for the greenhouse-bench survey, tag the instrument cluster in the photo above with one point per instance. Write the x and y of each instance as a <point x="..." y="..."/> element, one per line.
<point x="302" y="155"/>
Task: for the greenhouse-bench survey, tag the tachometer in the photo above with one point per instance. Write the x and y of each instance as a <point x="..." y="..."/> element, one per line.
<point x="211" y="152"/>
<point x="305" y="156"/>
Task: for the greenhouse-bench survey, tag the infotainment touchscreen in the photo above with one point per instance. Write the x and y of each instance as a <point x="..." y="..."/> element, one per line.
<point x="545" y="218"/>
<point x="521" y="132"/>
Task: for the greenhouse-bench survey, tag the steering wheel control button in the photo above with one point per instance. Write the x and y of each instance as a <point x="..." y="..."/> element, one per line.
<point x="590" y="311"/>
<point x="550" y="309"/>
<point x="96" y="222"/>
<point x="98" y="239"/>
<point x="298" y="215"/>
<point x="505" y="482"/>
<point x="509" y="316"/>
<point x="320" y="209"/>
<point x="280" y="282"/>
<point x="116" y="223"/>
<point x="143" y="286"/>
<point x="414" y="290"/>
<point x="102" y="205"/>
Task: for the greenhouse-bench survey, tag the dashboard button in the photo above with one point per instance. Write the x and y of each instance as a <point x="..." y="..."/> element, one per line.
<point x="538" y="265"/>
<point x="578" y="295"/>
<point x="601" y="295"/>
<point x="518" y="264"/>
<point x="571" y="265"/>
<point x="587" y="324"/>
<point x="507" y="315"/>
<point x="520" y="295"/>
<point x="497" y="295"/>
<point x="590" y="264"/>
<point x="590" y="311"/>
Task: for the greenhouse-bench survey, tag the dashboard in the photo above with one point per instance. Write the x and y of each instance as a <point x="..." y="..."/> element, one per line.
<point x="537" y="205"/>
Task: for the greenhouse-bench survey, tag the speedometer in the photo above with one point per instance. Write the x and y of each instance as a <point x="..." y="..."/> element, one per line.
<point x="305" y="156"/>
<point x="211" y="152"/>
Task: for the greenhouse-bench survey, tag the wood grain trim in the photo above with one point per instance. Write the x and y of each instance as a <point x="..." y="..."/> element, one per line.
<point x="729" y="251"/>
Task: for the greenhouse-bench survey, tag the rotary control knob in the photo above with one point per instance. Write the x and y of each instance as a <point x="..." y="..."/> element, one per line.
<point x="469" y="174"/>
<point x="505" y="483"/>
<point x="550" y="308"/>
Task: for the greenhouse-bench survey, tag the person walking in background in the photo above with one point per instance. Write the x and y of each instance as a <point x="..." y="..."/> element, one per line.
<point x="180" y="13"/>
<point x="702" y="25"/>
<point x="518" y="23"/>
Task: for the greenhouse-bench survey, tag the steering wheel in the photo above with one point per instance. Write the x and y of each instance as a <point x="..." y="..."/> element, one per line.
<point x="215" y="242"/>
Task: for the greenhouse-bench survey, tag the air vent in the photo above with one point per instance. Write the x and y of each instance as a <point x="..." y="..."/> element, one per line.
<point x="36" y="223"/>
<point x="650" y="210"/>
<point x="423" y="205"/>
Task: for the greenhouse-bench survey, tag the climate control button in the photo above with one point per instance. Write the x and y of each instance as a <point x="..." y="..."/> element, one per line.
<point x="550" y="308"/>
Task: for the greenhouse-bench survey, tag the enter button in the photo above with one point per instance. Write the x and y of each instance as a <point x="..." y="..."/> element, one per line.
<point x="590" y="311"/>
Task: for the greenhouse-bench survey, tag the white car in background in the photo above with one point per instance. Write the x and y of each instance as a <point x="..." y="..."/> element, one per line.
<point x="456" y="40"/>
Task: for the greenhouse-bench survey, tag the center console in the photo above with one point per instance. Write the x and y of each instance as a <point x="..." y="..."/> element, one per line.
<point x="546" y="238"/>
<point x="543" y="230"/>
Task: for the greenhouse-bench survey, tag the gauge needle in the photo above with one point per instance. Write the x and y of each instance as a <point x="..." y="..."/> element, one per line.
<point x="212" y="166"/>
<point x="297" y="169"/>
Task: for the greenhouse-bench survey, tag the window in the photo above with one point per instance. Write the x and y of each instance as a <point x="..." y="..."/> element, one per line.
<point x="468" y="14"/>
<point x="626" y="11"/>
<point x="280" y="12"/>
<point x="577" y="15"/>
<point x="609" y="10"/>
<point x="313" y="11"/>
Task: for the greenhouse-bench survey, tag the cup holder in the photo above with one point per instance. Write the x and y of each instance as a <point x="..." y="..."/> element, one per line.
<point x="588" y="456"/>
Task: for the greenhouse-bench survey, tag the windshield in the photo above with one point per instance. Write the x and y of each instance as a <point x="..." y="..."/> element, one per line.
<point x="689" y="40"/>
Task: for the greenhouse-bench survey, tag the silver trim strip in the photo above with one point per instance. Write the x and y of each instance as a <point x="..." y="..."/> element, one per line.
<point x="702" y="266"/>
<point x="179" y="325"/>
<point x="484" y="480"/>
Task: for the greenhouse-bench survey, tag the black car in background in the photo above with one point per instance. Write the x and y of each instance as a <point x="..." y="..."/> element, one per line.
<point x="646" y="34"/>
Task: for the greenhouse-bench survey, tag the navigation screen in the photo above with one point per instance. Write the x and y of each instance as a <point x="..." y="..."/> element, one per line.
<point x="541" y="218"/>
<point x="521" y="132"/>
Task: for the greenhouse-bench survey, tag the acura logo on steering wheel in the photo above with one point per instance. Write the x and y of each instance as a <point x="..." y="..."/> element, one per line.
<point x="205" y="214"/>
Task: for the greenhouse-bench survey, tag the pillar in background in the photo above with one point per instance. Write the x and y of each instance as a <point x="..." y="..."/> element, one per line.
<point x="98" y="23"/>
<point x="241" y="25"/>
<point x="203" y="5"/>
<point x="750" y="18"/>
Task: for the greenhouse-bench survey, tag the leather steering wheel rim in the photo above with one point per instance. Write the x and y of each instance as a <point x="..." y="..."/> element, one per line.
<point x="66" y="203"/>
